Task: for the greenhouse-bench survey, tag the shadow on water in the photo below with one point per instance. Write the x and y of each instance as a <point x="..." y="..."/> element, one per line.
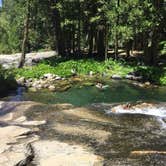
<point x="113" y="137"/>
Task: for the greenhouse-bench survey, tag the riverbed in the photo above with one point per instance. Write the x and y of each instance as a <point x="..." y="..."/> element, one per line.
<point x="118" y="137"/>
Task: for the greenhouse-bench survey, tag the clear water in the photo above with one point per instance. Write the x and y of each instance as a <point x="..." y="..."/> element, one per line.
<point x="117" y="92"/>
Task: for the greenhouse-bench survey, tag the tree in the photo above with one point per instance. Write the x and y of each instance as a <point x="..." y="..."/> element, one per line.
<point x="25" y="38"/>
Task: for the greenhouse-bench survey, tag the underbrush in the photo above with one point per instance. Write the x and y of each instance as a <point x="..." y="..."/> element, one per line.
<point x="7" y="81"/>
<point x="64" y="68"/>
<point x="81" y="67"/>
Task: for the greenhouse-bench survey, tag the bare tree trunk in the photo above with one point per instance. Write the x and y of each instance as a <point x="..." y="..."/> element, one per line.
<point x="25" y="38"/>
<point x="116" y="32"/>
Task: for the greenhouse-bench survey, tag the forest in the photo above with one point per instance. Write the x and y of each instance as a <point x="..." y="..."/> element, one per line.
<point x="93" y="28"/>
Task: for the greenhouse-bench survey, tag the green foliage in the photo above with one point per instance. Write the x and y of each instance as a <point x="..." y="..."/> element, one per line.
<point x="154" y="74"/>
<point x="162" y="48"/>
<point x="82" y="67"/>
<point x="63" y="68"/>
<point x="11" y="25"/>
<point x="7" y="80"/>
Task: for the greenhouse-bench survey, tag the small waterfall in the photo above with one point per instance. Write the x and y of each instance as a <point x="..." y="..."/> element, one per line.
<point x="18" y="95"/>
<point x="154" y="110"/>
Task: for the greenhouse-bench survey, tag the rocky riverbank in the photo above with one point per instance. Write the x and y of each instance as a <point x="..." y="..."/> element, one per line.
<point x="21" y="143"/>
<point x="39" y="134"/>
<point x="55" y="83"/>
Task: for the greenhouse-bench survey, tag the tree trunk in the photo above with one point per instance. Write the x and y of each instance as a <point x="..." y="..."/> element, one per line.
<point x="150" y="49"/>
<point x="25" y="38"/>
<point x="58" y="36"/>
<point x="101" y="42"/>
<point x="106" y="42"/>
<point x="79" y="31"/>
<point x="116" y="31"/>
<point x="90" y="36"/>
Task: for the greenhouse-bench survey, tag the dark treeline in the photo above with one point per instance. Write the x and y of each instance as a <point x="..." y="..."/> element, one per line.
<point x="74" y="27"/>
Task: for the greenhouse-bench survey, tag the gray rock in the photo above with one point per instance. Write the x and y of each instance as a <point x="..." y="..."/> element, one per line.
<point x="132" y="77"/>
<point x="21" y="80"/>
<point x="116" y="76"/>
<point x="51" y="88"/>
<point x="147" y="83"/>
<point x="49" y="75"/>
<point x="47" y="153"/>
<point x="91" y="73"/>
<point x="58" y="78"/>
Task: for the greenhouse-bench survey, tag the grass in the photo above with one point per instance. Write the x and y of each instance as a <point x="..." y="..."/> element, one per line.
<point x="82" y="67"/>
<point x="63" y="67"/>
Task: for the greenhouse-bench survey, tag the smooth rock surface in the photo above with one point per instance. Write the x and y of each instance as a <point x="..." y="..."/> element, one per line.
<point x="49" y="153"/>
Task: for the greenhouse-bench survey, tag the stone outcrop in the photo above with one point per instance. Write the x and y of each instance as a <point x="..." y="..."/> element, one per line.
<point x="21" y="144"/>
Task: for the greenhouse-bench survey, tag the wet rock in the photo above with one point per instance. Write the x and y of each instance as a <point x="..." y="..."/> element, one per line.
<point x="101" y="86"/>
<point x="87" y="83"/>
<point x="138" y="84"/>
<point x="115" y="76"/>
<point x="141" y="108"/>
<point x="147" y="83"/>
<point x="132" y="77"/>
<point x="63" y="88"/>
<point x="147" y="152"/>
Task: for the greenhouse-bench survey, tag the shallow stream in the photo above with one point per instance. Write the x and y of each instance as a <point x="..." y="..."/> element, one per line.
<point x="127" y="138"/>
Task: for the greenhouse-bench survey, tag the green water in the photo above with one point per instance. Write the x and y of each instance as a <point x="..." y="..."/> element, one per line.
<point x="118" y="91"/>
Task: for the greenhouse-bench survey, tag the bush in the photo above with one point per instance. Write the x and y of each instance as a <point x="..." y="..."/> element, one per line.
<point x="7" y="81"/>
<point x="82" y="67"/>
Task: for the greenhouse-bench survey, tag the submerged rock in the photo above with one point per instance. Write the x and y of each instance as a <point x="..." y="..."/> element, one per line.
<point x="101" y="86"/>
